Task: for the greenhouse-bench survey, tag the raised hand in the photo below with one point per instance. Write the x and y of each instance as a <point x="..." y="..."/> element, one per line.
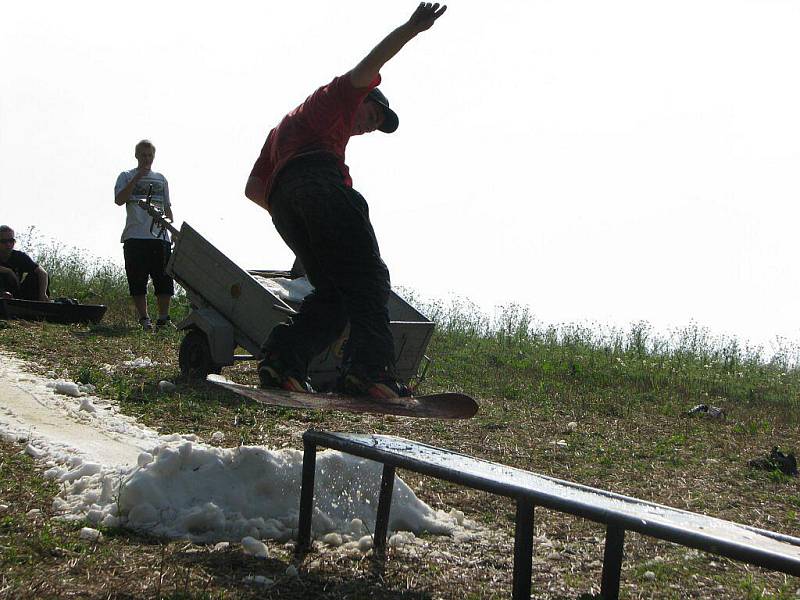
<point x="425" y="16"/>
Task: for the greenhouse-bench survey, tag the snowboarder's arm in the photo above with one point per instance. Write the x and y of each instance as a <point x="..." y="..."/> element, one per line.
<point x="423" y="18"/>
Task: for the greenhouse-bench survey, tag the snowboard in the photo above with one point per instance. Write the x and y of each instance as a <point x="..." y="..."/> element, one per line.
<point x="448" y="405"/>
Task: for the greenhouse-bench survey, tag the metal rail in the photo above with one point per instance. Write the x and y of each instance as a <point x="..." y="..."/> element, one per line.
<point x="619" y="513"/>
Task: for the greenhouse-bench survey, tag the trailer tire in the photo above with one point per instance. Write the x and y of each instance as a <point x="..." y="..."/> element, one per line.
<point x="194" y="356"/>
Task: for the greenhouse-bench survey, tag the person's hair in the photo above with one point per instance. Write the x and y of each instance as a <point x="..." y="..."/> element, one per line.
<point x="6" y="229"/>
<point x="143" y="144"/>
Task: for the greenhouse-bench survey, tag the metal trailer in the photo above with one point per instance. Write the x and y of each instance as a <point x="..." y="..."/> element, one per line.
<point x="231" y="309"/>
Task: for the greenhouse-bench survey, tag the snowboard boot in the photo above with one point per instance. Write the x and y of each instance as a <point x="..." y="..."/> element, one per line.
<point x="380" y="387"/>
<point x="272" y="373"/>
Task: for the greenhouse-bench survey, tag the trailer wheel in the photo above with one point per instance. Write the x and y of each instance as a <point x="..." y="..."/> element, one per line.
<point x="194" y="356"/>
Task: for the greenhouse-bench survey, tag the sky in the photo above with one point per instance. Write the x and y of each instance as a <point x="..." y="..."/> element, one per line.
<point x="597" y="162"/>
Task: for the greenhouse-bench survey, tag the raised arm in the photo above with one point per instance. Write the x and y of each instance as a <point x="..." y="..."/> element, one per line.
<point x="423" y="19"/>
<point x="124" y="195"/>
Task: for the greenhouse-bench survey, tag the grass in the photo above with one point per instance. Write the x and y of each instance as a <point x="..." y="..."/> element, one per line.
<point x="627" y="391"/>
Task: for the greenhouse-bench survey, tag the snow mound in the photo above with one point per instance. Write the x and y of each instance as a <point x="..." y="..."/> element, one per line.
<point x="115" y="472"/>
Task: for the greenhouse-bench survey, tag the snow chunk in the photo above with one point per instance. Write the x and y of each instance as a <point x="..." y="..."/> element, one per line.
<point x="332" y="539"/>
<point x="143" y="516"/>
<point x="217" y="437"/>
<point x="166" y="387"/>
<point x="401" y="538"/>
<point x="144" y="459"/>
<point x="258" y="580"/>
<point x="139" y="363"/>
<point x="254" y="547"/>
<point x="68" y="388"/>
<point x="84" y="470"/>
<point x="87" y="533"/>
<point x="365" y="544"/>
<point x="34" y="452"/>
<point x="88" y="406"/>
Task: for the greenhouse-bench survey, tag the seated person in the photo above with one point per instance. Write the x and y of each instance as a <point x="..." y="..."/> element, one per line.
<point x="20" y="276"/>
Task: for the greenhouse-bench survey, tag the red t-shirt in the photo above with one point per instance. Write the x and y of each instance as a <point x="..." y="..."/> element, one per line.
<point x="322" y="123"/>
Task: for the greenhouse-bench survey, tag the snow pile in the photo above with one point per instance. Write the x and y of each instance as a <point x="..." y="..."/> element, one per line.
<point x="139" y="363"/>
<point x="292" y="290"/>
<point x="207" y="494"/>
<point x="114" y="471"/>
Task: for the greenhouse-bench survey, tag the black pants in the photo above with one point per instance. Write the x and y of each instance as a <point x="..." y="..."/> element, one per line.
<point x="28" y="289"/>
<point x="147" y="259"/>
<point x="327" y="226"/>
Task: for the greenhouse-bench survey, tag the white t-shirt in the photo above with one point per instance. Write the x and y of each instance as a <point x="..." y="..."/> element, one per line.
<point x="138" y="222"/>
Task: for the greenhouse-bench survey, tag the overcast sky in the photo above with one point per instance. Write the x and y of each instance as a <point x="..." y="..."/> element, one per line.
<point x="597" y="161"/>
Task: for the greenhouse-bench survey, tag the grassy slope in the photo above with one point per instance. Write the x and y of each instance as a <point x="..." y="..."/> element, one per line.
<point x="627" y="391"/>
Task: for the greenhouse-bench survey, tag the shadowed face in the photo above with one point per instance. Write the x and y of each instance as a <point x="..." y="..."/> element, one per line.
<point x="145" y="156"/>
<point x="369" y="117"/>
<point x="6" y="244"/>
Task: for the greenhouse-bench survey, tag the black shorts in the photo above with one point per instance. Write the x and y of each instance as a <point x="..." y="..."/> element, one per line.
<point x="148" y="259"/>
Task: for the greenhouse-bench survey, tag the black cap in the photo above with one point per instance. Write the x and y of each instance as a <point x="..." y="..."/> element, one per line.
<point x="390" y="119"/>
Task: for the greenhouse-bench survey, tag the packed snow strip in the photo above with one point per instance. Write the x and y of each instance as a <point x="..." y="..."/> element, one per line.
<point x="115" y="472"/>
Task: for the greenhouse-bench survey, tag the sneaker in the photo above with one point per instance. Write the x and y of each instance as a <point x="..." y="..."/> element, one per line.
<point x="145" y="324"/>
<point x="271" y="374"/>
<point x="382" y="387"/>
<point x="164" y="323"/>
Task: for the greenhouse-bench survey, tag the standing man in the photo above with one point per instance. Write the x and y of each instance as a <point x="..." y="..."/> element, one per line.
<point x="20" y="276"/>
<point x="302" y="180"/>
<point x="146" y="247"/>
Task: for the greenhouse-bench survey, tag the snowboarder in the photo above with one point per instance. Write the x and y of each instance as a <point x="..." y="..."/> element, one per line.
<point x="302" y="180"/>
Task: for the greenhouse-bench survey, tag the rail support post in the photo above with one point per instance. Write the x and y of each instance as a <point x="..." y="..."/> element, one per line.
<point x="306" y="496"/>
<point x="523" y="550"/>
<point x="612" y="562"/>
<point x="384" y="505"/>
